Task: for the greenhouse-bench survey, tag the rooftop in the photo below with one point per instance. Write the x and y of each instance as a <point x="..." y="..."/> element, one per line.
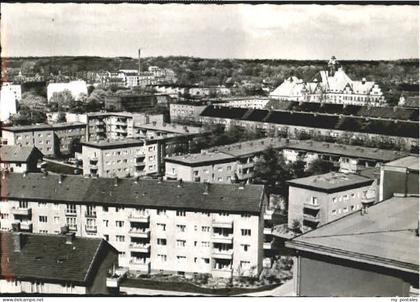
<point x="171" y="127"/>
<point x="48" y="257"/>
<point x="15" y="153"/>
<point x="106" y="144"/>
<point x="201" y="158"/>
<point x="385" y="236"/>
<point x="347" y="150"/>
<point x="331" y="182"/>
<point x="410" y="162"/>
<point x="28" y="128"/>
<point x="129" y="192"/>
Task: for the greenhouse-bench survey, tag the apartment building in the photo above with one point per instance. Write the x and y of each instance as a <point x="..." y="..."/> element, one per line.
<point x="116" y="125"/>
<point x="69" y="136"/>
<point x="186" y="111"/>
<point x="222" y="164"/>
<point x="294" y="124"/>
<point x="54" y="264"/>
<point x="10" y="95"/>
<point x="155" y="130"/>
<point x="319" y="199"/>
<point x="19" y="159"/>
<point x="173" y="227"/>
<point x="130" y="102"/>
<point x="76" y="88"/>
<point x="348" y="158"/>
<point x="246" y="102"/>
<point x="40" y="136"/>
<point x="361" y="255"/>
<point x="121" y="158"/>
<point x="400" y="176"/>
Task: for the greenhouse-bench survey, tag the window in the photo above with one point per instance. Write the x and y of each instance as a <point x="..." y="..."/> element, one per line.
<point x="334" y="212"/>
<point x="119" y="238"/>
<point x="23" y="204"/>
<point x="352" y="208"/>
<point x="205" y="229"/>
<point x="334" y="200"/>
<point x="220" y="179"/>
<point x="205" y="244"/>
<point x="121" y="254"/>
<point x="195" y="243"/>
<point x="246" y="232"/>
<point x="161" y="241"/>
<point x="180" y="243"/>
<point x="43" y="231"/>
<point x="106" y="237"/>
<point x="181" y="258"/>
<point x="71" y="222"/>
<point x="228" y="168"/>
<point x="105" y="222"/>
<point x="345" y="197"/>
<point x="162" y="257"/>
<point x="161" y="226"/>
<point x="245" y="215"/>
<point x="181" y="227"/>
<point x="119" y="223"/>
<point x="71" y="208"/>
<point x="206" y="260"/>
<point x="161" y="212"/>
<point x="56" y="219"/>
<point x="43" y="219"/>
<point x="245" y="264"/>
<point x="42" y="204"/>
<point x="314" y="200"/>
<point x="180" y="213"/>
<point x="90" y="211"/>
<point x="245" y="247"/>
<point x="345" y="210"/>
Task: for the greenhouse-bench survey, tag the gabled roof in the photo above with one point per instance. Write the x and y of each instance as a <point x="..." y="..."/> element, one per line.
<point x="18" y="154"/>
<point x="128" y="192"/>
<point x="49" y="258"/>
<point x="384" y="237"/>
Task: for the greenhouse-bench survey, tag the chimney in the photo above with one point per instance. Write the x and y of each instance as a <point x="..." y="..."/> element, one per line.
<point x="17" y="241"/>
<point x="139" y="61"/>
<point x="44" y="174"/>
<point x="136" y="180"/>
<point x="206" y="188"/>
<point x="179" y="183"/>
<point x="70" y="238"/>
<point x="60" y="178"/>
<point x="116" y="179"/>
<point x="160" y="179"/>
<point x="24" y="174"/>
<point x="363" y="81"/>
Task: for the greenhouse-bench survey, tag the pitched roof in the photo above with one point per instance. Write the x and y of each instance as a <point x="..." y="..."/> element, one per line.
<point x="200" y="159"/>
<point x="117" y="143"/>
<point x="385" y="236"/>
<point x="142" y="193"/>
<point x="410" y="162"/>
<point x="15" y="153"/>
<point x="331" y="182"/>
<point x="48" y="257"/>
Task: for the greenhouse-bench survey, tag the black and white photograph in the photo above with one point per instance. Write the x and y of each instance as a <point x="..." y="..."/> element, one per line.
<point x="209" y="149"/>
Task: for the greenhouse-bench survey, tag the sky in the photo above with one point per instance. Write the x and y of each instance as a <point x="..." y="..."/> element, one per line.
<point x="265" y="31"/>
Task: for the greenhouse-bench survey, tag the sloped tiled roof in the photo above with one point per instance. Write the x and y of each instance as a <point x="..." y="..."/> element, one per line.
<point x="48" y="257"/>
<point x="143" y="193"/>
<point x="15" y="153"/>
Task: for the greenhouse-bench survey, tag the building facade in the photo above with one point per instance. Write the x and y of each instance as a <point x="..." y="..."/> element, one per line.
<point x="319" y="199"/>
<point x="182" y="228"/>
<point x="69" y="136"/>
<point x="10" y="95"/>
<point x="19" y="159"/>
<point x="186" y="111"/>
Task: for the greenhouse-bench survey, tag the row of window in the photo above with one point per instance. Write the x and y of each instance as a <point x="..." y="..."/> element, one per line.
<point x="346" y="209"/>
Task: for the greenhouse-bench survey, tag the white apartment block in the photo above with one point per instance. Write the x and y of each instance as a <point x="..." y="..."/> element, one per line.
<point x="121" y="158"/>
<point x="10" y="95"/>
<point x="186" y="110"/>
<point x="249" y="102"/>
<point x="183" y="228"/>
<point x="77" y="88"/>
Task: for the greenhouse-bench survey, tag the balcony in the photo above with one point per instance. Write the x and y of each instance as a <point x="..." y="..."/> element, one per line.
<point x="140" y="264"/>
<point x="141" y="248"/>
<point x="140" y="163"/>
<point x="90" y="214"/>
<point x="73" y="228"/>
<point x="220" y="222"/>
<point x="311" y="206"/>
<point x="268" y="214"/>
<point x="91" y="228"/>
<point x="139" y="233"/>
<point x="268" y="231"/>
<point x="311" y="218"/>
<point x="139" y="217"/>
<point x="21" y="211"/>
<point x="26" y="226"/>
<point x="222" y="254"/>
<point x="220" y="238"/>
<point x="69" y="213"/>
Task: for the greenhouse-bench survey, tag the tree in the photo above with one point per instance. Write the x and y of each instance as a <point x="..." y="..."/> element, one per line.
<point x="297" y="169"/>
<point x="61" y="117"/>
<point x="296" y="226"/>
<point x="63" y="99"/>
<point x="320" y="166"/>
<point x="272" y="171"/>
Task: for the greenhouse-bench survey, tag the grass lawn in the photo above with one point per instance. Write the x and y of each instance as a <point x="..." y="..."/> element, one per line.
<point x="189" y="287"/>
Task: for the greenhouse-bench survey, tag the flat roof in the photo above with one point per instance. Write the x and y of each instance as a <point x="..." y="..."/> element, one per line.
<point x="25" y="128"/>
<point x="107" y="144"/>
<point x="48" y="257"/>
<point x="169" y="127"/>
<point x="331" y="181"/>
<point x="410" y="162"/>
<point x="68" y="125"/>
<point x="347" y="150"/>
<point x="385" y="236"/>
<point x="198" y="159"/>
<point x="129" y="192"/>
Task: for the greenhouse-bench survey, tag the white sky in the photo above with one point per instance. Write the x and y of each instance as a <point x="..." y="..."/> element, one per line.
<point x="211" y="31"/>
